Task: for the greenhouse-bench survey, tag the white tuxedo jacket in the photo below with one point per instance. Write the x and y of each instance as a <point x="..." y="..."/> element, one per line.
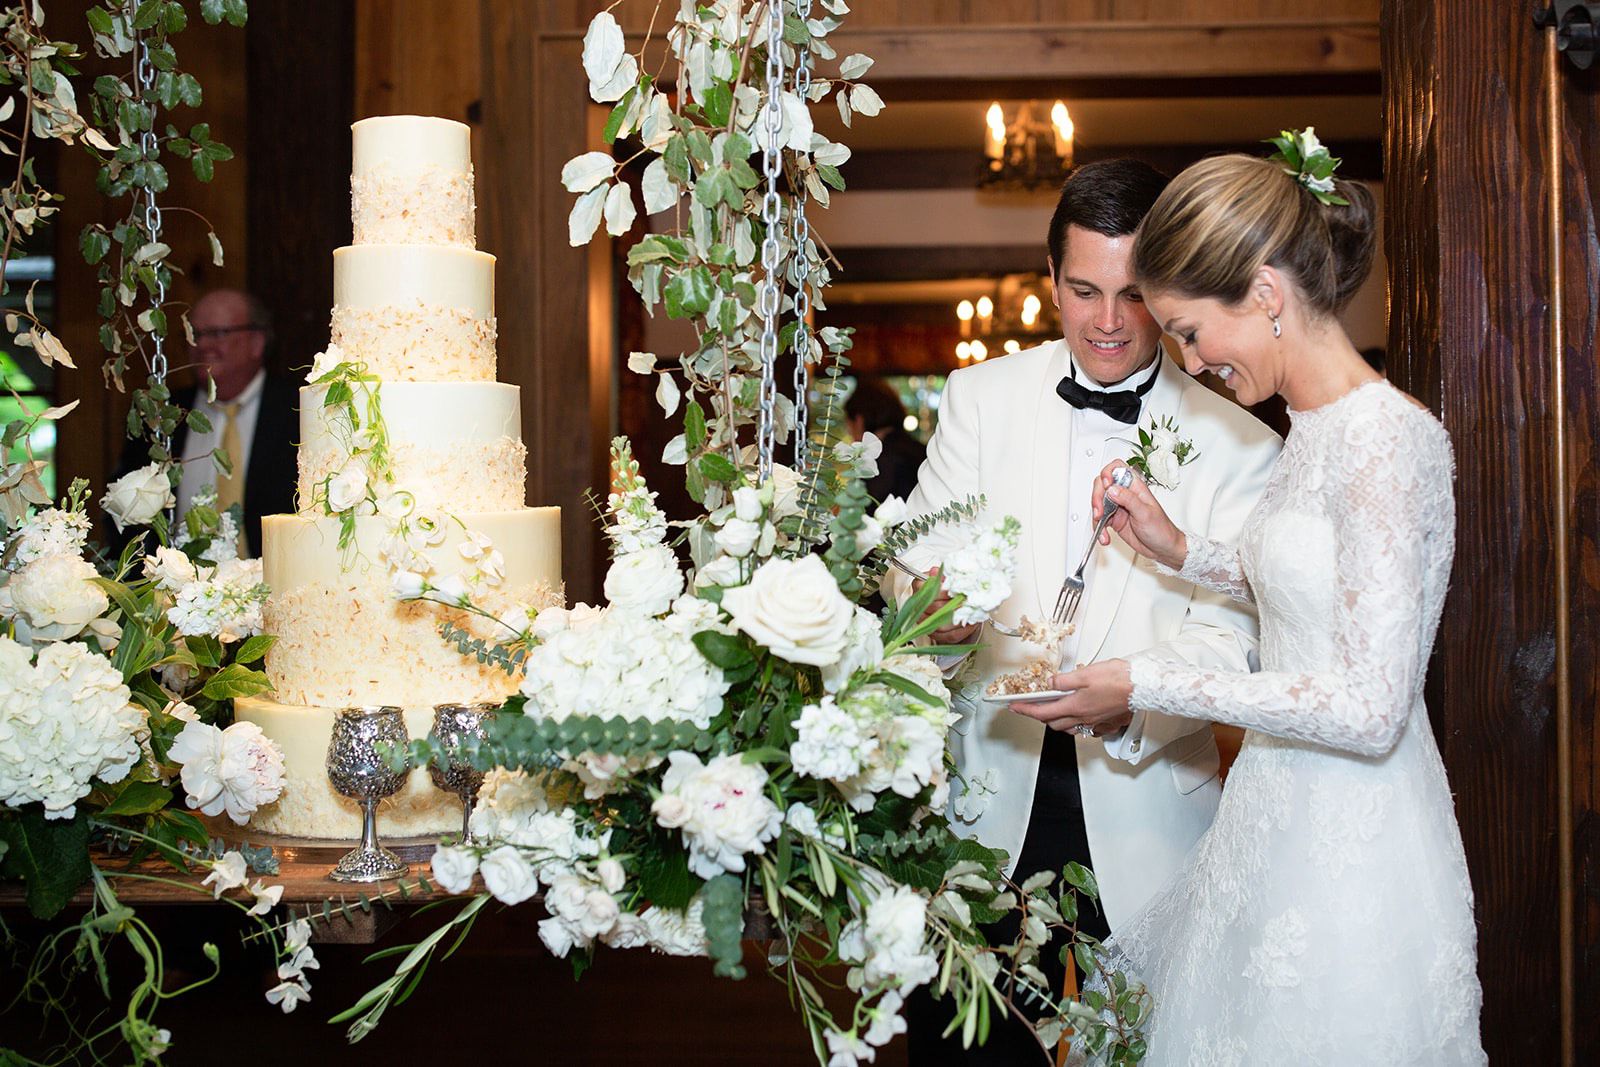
<point x="1149" y="793"/>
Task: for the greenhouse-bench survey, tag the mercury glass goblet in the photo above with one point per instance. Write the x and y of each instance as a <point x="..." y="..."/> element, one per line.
<point x="358" y="770"/>
<point x="452" y="723"/>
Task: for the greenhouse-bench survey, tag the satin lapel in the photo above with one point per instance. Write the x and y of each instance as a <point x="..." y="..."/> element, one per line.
<point x="1113" y="563"/>
<point x="1047" y="526"/>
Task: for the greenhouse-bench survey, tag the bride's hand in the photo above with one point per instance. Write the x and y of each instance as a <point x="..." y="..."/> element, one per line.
<point x="1140" y="520"/>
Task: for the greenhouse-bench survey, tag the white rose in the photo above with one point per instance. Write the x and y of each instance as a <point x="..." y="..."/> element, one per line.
<point x="737" y="537"/>
<point x="515" y="620"/>
<point x="1164" y="466"/>
<point x="507" y="875"/>
<point x="349" y="487"/>
<point x="600" y="913"/>
<point x="453" y="868"/>
<point x="549" y="622"/>
<point x="57" y="596"/>
<point x="892" y="512"/>
<point x="407" y="585"/>
<point x="645" y="582"/>
<point x="870" y="536"/>
<point x="1161" y="437"/>
<point x="138" y="497"/>
<point x="171" y="569"/>
<point x="747" y="503"/>
<point x="558" y="936"/>
<point x="724" y="570"/>
<point x="794" y="608"/>
<point x="785" y="491"/>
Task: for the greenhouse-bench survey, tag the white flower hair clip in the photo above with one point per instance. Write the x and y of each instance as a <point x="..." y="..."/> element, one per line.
<point x="1308" y="161"/>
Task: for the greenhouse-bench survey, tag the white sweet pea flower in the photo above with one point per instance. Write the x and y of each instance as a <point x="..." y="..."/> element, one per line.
<point x="860" y="456"/>
<point x="229" y="872"/>
<point x="396" y="504"/>
<point x="325" y="363"/>
<point x="288" y="994"/>
<point x="267" y="897"/>
<point x="453" y="868"/>
<point x="452" y="590"/>
<point x="892" y="512"/>
<point x="138" y="497"/>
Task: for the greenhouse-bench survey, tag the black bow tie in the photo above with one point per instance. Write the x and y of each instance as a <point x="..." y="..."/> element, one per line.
<point x="1122" y="405"/>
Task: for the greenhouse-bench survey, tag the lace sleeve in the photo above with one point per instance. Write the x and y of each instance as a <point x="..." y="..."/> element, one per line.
<point x="1389" y="493"/>
<point x="1215" y="566"/>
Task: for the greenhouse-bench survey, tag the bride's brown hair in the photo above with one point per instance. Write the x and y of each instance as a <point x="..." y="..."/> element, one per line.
<point x="1225" y="217"/>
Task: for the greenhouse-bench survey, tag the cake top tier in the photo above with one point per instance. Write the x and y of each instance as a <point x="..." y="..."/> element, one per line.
<point x="411" y="182"/>
<point x="410" y="143"/>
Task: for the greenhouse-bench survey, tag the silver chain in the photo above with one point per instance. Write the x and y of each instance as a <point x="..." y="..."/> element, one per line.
<point x="145" y="72"/>
<point x="771" y="299"/>
<point x="801" y="272"/>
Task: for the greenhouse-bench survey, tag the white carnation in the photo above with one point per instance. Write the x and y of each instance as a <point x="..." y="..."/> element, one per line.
<point x="729" y="812"/>
<point x="236" y="770"/>
<point x="508" y="876"/>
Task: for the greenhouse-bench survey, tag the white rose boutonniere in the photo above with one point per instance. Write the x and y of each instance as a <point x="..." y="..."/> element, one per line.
<point x="139" y="496"/>
<point x="1162" y="452"/>
<point x="794" y="607"/>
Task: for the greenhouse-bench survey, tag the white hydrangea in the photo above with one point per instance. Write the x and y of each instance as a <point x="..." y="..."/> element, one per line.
<point x="622" y="664"/>
<point x="65" y="722"/>
<point x="49" y="533"/>
<point x="904" y="737"/>
<point x="888" y="942"/>
<point x="982" y="568"/>
<point x="236" y="770"/>
<point x="721" y="807"/>
<point x="830" y="743"/>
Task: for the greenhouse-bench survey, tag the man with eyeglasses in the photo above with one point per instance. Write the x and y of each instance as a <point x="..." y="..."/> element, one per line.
<point x="252" y="415"/>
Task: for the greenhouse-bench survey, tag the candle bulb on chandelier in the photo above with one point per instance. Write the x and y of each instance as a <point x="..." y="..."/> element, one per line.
<point x="964" y="313"/>
<point x="985" y="311"/>
<point x="994" y="142"/>
<point x="1061" y="122"/>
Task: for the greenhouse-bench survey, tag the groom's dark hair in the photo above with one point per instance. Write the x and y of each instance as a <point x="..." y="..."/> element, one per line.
<point x="1111" y="197"/>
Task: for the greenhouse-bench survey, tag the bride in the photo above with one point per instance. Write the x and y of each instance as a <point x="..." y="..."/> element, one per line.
<point x="1326" y="917"/>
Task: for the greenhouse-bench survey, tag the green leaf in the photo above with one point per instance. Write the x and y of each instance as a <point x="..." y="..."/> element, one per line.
<point x="254" y="648"/>
<point x="676" y="158"/>
<point x="94" y="243"/>
<point x="211" y="11"/>
<point x="236" y="680"/>
<point x="338" y="393"/>
<point x="207" y="650"/>
<point x="718" y="103"/>
<point x="50" y="855"/>
<point x="146" y="14"/>
<point x="664" y="876"/>
<point x="174" y="18"/>
<point x="689" y="293"/>
<point x="99" y="22"/>
<point x="700" y="147"/>
<point x="831" y="175"/>
<point x="724" y="650"/>
<point x="618" y="113"/>
<point x="718" y="468"/>
<point x="235" y="11"/>
<point x="138" y="798"/>
<point x="1082" y="879"/>
<point x="189" y="88"/>
<point x="203" y="167"/>
<point x="694" y="426"/>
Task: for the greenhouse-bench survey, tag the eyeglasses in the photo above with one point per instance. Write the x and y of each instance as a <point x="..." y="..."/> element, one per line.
<point x="216" y="333"/>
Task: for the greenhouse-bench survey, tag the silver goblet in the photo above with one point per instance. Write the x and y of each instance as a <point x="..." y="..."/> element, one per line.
<point x="358" y="770"/>
<point x="452" y="723"/>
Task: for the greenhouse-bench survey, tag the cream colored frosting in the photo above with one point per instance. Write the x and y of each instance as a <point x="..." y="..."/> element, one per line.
<point x="386" y="275"/>
<point x="431" y="207"/>
<point x="417" y="342"/>
<point x="310" y="807"/>
<point x="475" y="476"/>
<point x="410" y="142"/>
<point x="433" y="414"/>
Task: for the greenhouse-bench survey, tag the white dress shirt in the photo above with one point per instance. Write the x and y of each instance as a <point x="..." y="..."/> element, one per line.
<point x="198" y="471"/>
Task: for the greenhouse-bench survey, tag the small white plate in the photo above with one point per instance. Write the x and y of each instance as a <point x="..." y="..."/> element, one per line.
<point x="1028" y="698"/>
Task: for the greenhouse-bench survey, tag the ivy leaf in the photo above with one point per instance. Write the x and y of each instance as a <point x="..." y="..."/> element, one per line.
<point x="50" y="855"/>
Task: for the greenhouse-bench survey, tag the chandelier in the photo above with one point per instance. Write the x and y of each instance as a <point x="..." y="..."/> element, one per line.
<point x="1007" y="320"/>
<point x="1033" y="150"/>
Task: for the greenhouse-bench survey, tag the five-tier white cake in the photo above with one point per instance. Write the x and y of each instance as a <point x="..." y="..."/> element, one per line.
<point x="414" y="311"/>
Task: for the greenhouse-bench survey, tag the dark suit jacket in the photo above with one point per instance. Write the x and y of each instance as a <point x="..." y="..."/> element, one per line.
<point x="902" y="456"/>
<point x="269" y="483"/>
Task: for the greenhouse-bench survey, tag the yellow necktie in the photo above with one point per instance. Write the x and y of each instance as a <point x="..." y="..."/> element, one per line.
<point x="230" y="487"/>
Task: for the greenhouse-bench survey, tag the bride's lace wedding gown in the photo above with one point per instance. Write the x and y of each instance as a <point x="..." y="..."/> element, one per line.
<point x="1326" y="917"/>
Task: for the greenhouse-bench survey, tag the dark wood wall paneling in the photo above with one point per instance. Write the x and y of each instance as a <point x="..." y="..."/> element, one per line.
<point x="1469" y="335"/>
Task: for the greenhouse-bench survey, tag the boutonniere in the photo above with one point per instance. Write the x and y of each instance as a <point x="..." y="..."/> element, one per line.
<point x="1161" y="453"/>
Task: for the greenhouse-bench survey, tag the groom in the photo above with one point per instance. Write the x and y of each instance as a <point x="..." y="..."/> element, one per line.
<point x="1030" y="432"/>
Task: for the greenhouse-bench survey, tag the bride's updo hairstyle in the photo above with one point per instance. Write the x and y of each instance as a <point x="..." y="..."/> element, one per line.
<point x="1225" y="217"/>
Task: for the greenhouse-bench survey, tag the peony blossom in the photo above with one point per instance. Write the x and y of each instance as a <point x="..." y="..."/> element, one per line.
<point x="56" y="597"/>
<point x="644" y="582"/>
<point x="139" y="496"/>
<point x="794" y="608"/>
<point x="236" y="770"/>
<point x="728" y="812"/>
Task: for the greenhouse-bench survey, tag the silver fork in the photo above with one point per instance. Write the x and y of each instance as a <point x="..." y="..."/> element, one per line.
<point x="1072" y="586"/>
<point x="906" y="568"/>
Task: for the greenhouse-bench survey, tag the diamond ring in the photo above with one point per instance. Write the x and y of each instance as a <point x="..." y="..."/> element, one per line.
<point x="1083" y="729"/>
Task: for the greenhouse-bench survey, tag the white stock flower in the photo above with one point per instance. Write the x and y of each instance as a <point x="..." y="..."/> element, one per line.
<point x="644" y="582"/>
<point x="51" y="532"/>
<point x="229" y="872"/>
<point x="729" y="814"/>
<point x="56" y="596"/>
<point x="794" y="608"/>
<point x="226" y="605"/>
<point x="737" y="537"/>
<point x="453" y="868"/>
<point x="508" y="876"/>
<point x="1164" y="467"/>
<point x="139" y="496"/>
<point x="349" y="487"/>
<point x="829" y="742"/>
<point x="863" y="650"/>
<point x="887" y="1020"/>
<point x="65" y="723"/>
<point x="236" y="770"/>
<point x="982" y="568"/>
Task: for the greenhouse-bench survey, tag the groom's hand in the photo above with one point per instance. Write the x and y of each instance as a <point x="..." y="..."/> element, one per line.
<point x="946" y="635"/>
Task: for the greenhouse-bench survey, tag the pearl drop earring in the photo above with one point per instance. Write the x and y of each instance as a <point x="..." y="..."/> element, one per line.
<point x="1277" y="327"/>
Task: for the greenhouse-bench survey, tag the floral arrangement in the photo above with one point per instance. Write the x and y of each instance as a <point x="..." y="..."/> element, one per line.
<point x="1161" y="453"/>
<point x="1308" y="161"/>
<point x="734" y="738"/>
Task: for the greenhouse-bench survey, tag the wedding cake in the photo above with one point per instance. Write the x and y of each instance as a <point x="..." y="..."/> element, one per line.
<point x="411" y="471"/>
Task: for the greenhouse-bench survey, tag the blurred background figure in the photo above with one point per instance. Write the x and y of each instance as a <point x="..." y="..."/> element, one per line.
<point x="874" y="407"/>
<point x="253" y="415"/>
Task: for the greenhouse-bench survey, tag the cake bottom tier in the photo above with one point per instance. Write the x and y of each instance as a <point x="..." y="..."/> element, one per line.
<point x="309" y="806"/>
